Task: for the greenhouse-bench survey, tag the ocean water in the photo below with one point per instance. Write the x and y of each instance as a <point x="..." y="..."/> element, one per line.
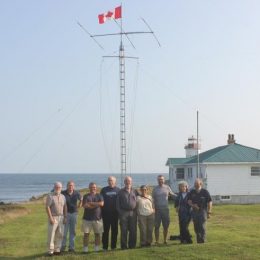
<point x="21" y="187"/>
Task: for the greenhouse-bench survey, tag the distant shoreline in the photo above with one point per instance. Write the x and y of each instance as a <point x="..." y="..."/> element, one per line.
<point x="17" y="188"/>
<point x="43" y="196"/>
<point x="90" y="173"/>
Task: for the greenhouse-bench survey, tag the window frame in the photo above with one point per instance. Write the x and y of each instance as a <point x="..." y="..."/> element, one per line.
<point x="255" y="173"/>
<point x="178" y="173"/>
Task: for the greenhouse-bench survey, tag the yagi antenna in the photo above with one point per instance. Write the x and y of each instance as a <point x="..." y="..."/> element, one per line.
<point x="89" y="34"/>
<point x="116" y="14"/>
<point x="122" y="32"/>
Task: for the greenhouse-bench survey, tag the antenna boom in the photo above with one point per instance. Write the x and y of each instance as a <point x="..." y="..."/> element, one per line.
<point x="119" y="33"/>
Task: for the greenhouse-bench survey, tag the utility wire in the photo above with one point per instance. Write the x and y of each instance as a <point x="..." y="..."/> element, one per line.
<point x="101" y="119"/>
<point x="130" y="152"/>
<point x="182" y="100"/>
<point x="30" y="135"/>
<point x="55" y="130"/>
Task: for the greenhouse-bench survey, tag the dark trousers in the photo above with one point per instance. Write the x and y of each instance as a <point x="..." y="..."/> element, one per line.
<point x="184" y="222"/>
<point x="128" y="226"/>
<point x="110" y="220"/>
<point x="199" y="221"/>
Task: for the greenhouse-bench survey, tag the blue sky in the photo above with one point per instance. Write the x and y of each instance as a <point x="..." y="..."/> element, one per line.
<point x="59" y="99"/>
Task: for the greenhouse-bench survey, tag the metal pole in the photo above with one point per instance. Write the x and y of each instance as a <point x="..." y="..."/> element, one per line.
<point x="122" y="109"/>
<point x="198" y="156"/>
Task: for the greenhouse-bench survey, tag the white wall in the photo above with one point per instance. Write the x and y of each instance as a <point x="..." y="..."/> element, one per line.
<point x="232" y="180"/>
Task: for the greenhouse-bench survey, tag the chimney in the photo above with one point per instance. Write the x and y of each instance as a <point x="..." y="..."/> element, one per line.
<point x="231" y="139"/>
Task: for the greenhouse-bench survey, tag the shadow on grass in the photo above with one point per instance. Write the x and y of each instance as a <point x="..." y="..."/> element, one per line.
<point x="114" y="254"/>
<point x="22" y="257"/>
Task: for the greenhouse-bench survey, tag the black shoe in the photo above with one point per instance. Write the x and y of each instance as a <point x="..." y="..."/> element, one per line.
<point x="71" y="250"/>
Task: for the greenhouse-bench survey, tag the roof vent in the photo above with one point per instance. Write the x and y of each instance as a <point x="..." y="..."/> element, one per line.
<point x="231" y="139"/>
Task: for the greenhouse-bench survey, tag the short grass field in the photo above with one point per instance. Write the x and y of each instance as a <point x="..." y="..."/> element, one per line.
<point x="233" y="233"/>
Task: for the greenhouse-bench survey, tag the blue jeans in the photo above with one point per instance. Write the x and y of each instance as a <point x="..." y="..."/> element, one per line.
<point x="71" y="227"/>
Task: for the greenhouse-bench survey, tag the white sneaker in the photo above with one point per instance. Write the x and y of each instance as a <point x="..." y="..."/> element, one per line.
<point x="85" y="249"/>
<point x="96" y="248"/>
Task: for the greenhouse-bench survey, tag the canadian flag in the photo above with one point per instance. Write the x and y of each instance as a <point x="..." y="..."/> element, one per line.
<point x="115" y="14"/>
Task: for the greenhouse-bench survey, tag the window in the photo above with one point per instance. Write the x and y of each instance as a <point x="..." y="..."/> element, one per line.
<point x="190" y="173"/>
<point x="180" y="174"/>
<point x="225" y="198"/>
<point x="255" y="171"/>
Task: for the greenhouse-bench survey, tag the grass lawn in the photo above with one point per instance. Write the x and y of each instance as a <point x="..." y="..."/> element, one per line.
<point x="233" y="233"/>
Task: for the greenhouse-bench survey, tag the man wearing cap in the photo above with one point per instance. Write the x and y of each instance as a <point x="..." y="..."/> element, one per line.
<point x="73" y="201"/>
<point x="200" y="201"/>
<point x="56" y="209"/>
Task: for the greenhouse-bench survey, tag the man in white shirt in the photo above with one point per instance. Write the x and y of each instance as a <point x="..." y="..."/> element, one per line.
<point x="56" y="209"/>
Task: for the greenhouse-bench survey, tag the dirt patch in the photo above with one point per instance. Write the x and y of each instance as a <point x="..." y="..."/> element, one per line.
<point x="12" y="211"/>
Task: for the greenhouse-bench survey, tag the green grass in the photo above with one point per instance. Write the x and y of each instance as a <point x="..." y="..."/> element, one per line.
<point x="233" y="233"/>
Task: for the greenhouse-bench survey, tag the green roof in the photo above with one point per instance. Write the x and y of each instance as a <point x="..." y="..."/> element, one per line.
<point x="232" y="153"/>
<point x="177" y="161"/>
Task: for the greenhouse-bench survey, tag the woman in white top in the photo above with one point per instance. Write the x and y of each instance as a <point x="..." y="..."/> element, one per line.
<point x="145" y="212"/>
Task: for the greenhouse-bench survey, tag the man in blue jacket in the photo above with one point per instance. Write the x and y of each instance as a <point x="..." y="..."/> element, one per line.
<point x="184" y="212"/>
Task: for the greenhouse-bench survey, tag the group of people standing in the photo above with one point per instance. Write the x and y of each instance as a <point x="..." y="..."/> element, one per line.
<point x="103" y="210"/>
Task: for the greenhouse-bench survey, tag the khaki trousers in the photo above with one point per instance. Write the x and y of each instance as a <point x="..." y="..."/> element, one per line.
<point x="146" y="225"/>
<point x="55" y="234"/>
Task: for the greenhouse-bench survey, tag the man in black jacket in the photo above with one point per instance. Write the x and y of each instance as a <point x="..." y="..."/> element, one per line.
<point x="109" y="213"/>
<point x="200" y="201"/>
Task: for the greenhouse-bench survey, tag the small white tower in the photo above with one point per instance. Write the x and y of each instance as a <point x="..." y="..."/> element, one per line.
<point x="192" y="147"/>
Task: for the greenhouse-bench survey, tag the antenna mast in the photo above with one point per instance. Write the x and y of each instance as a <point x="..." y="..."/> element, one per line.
<point x="198" y="155"/>
<point x="102" y="18"/>
<point x="122" y="107"/>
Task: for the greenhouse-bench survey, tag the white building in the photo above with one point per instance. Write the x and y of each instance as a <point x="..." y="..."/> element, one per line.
<point x="231" y="172"/>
